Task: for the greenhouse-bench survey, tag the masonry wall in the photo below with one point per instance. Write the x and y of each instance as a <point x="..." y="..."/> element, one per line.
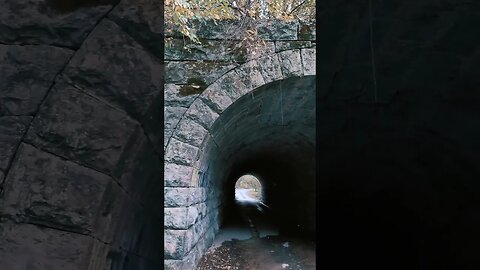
<point x="80" y="171"/>
<point x="193" y="199"/>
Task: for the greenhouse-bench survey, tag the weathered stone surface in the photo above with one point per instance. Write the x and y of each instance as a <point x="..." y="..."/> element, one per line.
<point x="174" y="244"/>
<point x="308" y="60"/>
<point x="77" y="126"/>
<point x="209" y="50"/>
<point x="270" y="68"/>
<point x="277" y="30"/>
<point x="168" y="133"/>
<point x="291" y="63"/>
<point x="201" y="113"/>
<point x="25" y="246"/>
<point x="183" y="197"/>
<point x="37" y="191"/>
<point x="63" y="23"/>
<point x="195" y="213"/>
<point x="250" y="75"/>
<point x="141" y="20"/>
<point x="27" y="73"/>
<point x="190" y="132"/>
<point x="151" y="118"/>
<point x="173" y="265"/>
<point x="139" y="168"/>
<point x="172" y="116"/>
<point x="12" y="129"/>
<point x="216" y="97"/>
<point x="173" y="98"/>
<point x="180" y="153"/>
<point x="177" y="175"/>
<point x="111" y="65"/>
<point x="175" y="218"/>
<point x="180" y="72"/>
<point x="290" y="45"/>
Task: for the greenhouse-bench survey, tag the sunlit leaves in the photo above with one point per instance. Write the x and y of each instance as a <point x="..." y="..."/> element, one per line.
<point x="182" y="13"/>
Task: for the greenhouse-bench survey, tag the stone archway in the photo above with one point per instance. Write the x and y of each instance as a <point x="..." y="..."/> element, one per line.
<point x="191" y="209"/>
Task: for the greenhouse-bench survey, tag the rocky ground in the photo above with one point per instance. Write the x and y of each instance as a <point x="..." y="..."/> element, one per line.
<point x="269" y="253"/>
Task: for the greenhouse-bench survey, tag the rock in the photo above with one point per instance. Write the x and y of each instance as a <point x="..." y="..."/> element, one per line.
<point x="112" y="66"/>
<point x="24" y="246"/>
<point x="277" y="30"/>
<point x="36" y="191"/>
<point x="142" y="21"/>
<point x="79" y="127"/>
<point x="174" y="98"/>
<point x="208" y="72"/>
<point x="27" y="74"/>
<point x="52" y="22"/>
<point x="12" y="129"/>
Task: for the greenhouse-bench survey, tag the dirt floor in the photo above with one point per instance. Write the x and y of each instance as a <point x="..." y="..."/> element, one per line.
<point x="267" y="253"/>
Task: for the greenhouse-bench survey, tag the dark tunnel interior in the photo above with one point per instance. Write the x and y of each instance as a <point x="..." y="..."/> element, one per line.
<point x="269" y="133"/>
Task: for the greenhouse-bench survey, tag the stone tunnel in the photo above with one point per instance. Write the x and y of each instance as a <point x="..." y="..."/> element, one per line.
<point x="255" y="118"/>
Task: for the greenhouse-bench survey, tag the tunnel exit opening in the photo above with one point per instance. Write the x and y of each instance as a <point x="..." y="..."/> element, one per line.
<point x="249" y="189"/>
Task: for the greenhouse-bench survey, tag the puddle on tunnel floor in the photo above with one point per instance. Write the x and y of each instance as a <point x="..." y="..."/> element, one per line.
<point x="265" y="253"/>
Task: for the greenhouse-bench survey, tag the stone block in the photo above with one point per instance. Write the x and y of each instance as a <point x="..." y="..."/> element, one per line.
<point x="139" y="168"/>
<point x="231" y="85"/>
<point x="270" y="68"/>
<point x="173" y="98"/>
<point x="174" y="244"/>
<point x="290" y="45"/>
<point x="167" y="134"/>
<point x="62" y="23"/>
<point x="173" y="265"/>
<point x="195" y="213"/>
<point x="82" y="128"/>
<point x="291" y="63"/>
<point x="249" y="73"/>
<point x="112" y="66"/>
<point x="277" y="30"/>
<point x="172" y="115"/>
<point x="27" y="74"/>
<point x="202" y="114"/>
<point x="176" y="175"/>
<point x="183" y="72"/>
<point x="180" y="153"/>
<point x="47" y="190"/>
<point x="308" y="60"/>
<point x="176" y="218"/>
<point x="178" y="197"/>
<point x="24" y="246"/>
<point x="190" y="132"/>
<point x="216" y="96"/>
<point x="12" y="129"/>
<point x="141" y="20"/>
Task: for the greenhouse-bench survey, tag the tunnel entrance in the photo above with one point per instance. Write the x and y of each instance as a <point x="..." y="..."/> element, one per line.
<point x="260" y="172"/>
<point x="258" y="119"/>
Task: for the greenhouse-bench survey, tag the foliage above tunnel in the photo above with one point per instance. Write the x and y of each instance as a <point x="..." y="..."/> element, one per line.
<point x="243" y="15"/>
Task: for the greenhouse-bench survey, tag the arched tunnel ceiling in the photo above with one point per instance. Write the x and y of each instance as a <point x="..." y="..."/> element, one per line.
<point x="270" y="133"/>
<point x="277" y="116"/>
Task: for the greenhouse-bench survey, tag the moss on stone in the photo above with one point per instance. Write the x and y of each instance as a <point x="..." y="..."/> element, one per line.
<point x="194" y="86"/>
